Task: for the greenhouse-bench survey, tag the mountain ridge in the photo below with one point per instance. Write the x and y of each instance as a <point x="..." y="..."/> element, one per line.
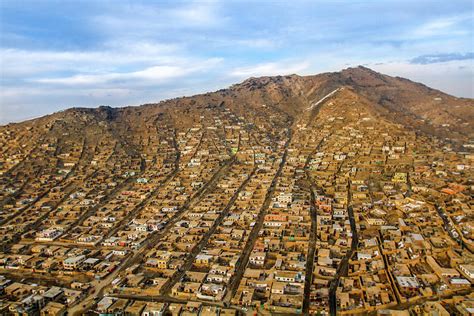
<point x="406" y="102"/>
<point x="333" y="159"/>
<point x="247" y="82"/>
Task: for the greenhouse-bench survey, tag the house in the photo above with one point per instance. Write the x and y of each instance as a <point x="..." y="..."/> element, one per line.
<point x="53" y="294"/>
<point x="400" y="177"/>
<point x="407" y="282"/>
<point x="73" y="263"/>
<point x="136" y="308"/>
<point x="440" y="271"/>
<point x="468" y="270"/>
<point x="49" y="234"/>
<point x="154" y="309"/>
<point x="257" y="258"/>
<point x="211" y="291"/>
<point x="459" y="283"/>
<point x="89" y="263"/>
<point x="289" y="276"/>
<point x="375" y="221"/>
<point x="216" y="278"/>
<point x="53" y="309"/>
<point x="278" y="287"/>
<point x="284" y="198"/>
<point x="104" y="304"/>
<point x="203" y="259"/>
<point x="163" y="261"/>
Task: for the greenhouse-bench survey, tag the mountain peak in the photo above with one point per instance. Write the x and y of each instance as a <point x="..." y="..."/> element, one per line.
<point x="400" y="100"/>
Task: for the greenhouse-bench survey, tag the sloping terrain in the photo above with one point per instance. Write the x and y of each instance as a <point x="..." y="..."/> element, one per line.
<point x="292" y="194"/>
<point x="411" y="104"/>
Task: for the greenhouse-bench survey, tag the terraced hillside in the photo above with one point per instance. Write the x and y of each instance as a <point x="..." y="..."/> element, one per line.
<point x="346" y="192"/>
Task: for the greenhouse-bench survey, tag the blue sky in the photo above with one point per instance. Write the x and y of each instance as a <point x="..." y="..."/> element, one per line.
<point x="59" y="54"/>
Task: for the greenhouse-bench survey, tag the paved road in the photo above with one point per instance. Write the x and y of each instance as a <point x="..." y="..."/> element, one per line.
<point x="312" y="239"/>
<point x="137" y="255"/>
<point x="312" y="247"/>
<point x="244" y="258"/>
<point x="203" y="242"/>
<point x="343" y="266"/>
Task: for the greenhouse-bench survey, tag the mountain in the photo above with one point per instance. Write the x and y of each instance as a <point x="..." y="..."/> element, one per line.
<point x="411" y="104"/>
<point x="336" y="192"/>
<point x="278" y="101"/>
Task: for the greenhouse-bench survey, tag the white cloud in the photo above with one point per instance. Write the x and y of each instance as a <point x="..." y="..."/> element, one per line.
<point x="154" y="74"/>
<point x="20" y="63"/>
<point x="264" y="43"/>
<point x="140" y="21"/>
<point x="146" y="76"/>
<point x="453" y="77"/>
<point x="442" y="26"/>
<point x="270" y="69"/>
<point x="198" y="13"/>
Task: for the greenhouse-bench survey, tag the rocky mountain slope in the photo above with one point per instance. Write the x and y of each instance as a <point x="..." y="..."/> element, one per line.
<point x="316" y="174"/>
<point x="402" y="101"/>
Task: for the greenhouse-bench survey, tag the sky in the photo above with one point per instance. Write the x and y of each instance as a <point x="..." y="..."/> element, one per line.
<point x="70" y="53"/>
